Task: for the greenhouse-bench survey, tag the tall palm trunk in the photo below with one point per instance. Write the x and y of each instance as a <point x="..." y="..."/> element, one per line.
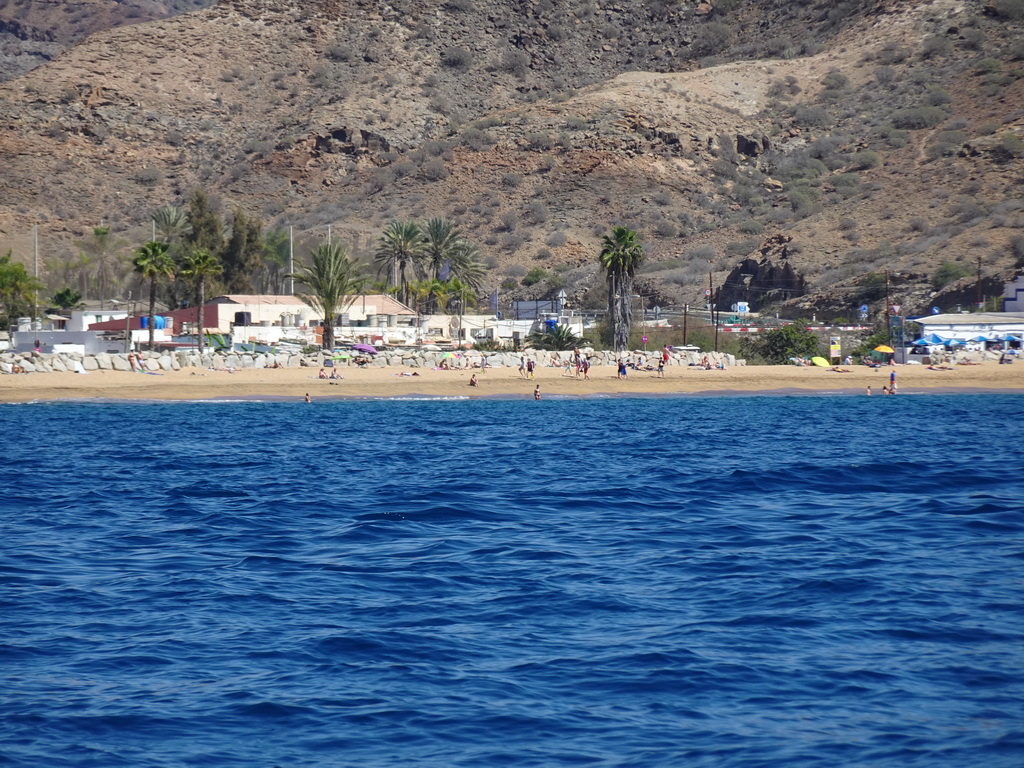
<point x="199" y="311"/>
<point x="626" y="292"/>
<point x="152" y="310"/>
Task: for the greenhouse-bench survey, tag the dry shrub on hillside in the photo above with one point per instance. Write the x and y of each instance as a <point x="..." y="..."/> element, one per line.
<point x="1009" y="9"/>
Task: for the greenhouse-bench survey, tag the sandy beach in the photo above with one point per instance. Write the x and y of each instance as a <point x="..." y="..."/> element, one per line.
<point x="294" y="383"/>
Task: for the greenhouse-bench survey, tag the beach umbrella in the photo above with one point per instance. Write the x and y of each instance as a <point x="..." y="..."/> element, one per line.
<point x="979" y="337"/>
<point x="1010" y="337"/>
<point x="821" y="362"/>
<point x="920" y="343"/>
<point x="885" y="349"/>
<point x="367" y="348"/>
<point x="952" y="342"/>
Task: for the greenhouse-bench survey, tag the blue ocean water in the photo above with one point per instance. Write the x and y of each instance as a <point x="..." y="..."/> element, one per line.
<point x="691" y="581"/>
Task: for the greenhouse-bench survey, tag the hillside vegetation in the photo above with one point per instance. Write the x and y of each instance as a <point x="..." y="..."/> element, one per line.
<point x="800" y="152"/>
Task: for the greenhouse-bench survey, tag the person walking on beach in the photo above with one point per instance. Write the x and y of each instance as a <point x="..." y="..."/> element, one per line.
<point x="892" y="381"/>
<point x="622" y="369"/>
<point x="661" y="368"/>
<point x="536" y="392"/>
<point x="530" y="365"/>
<point x="522" y="366"/>
<point x="586" y="368"/>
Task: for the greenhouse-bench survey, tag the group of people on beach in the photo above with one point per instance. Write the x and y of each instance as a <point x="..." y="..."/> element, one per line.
<point x="640" y="363"/>
<point x="889" y="389"/>
<point x="334" y="375"/>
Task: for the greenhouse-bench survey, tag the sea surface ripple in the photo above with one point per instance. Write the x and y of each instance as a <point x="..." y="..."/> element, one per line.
<point x="692" y="581"/>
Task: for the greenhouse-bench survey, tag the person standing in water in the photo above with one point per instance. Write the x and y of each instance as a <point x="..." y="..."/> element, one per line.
<point x="308" y="398"/>
<point x="536" y="392"/>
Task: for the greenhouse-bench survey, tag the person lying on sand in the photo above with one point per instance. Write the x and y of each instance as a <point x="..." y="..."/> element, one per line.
<point x="941" y="368"/>
<point x="406" y="373"/>
<point x="837" y="369"/>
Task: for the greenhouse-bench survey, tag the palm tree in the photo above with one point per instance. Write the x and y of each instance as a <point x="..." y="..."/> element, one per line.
<point x="443" y="241"/>
<point x="440" y="293"/>
<point x="467" y="266"/>
<point x="446" y="250"/>
<point x="276" y="252"/>
<point x="200" y="264"/>
<point x="621" y="254"/>
<point x="153" y="262"/>
<point x="334" y="281"/>
<point x="400" y="252"/>
<point x="171" y="223"/>
<point x="102" y="251"/>
<point x="67" y="298"/>
<point x="560" y="337"/>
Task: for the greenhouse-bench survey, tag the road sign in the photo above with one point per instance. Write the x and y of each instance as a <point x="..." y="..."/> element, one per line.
<point x="643" y="339"/>
<point x="707" y="291"/>
<point x="896" y="308"/>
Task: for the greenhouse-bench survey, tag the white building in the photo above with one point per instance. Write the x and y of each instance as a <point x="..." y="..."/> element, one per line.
<point x="1013" y="296"/>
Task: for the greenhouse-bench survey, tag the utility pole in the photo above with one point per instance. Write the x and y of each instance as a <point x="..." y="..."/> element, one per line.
<point x="981" y="304"/>
<point x="888" y="311"/>
<point x="711" y="302"/>
<point x="716" y="315"/>
<point x="291" y="262"/>
<point x="686" y="311"/>
<point x="35" y="258"/>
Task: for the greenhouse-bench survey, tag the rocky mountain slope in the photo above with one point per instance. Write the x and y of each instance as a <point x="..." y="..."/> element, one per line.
<point x="796" y="150"/>
<point x="33" y="32"/>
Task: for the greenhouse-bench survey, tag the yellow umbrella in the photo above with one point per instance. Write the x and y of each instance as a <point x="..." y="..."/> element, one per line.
<point x="821" y="362"/>
<point x="883" y="348"/>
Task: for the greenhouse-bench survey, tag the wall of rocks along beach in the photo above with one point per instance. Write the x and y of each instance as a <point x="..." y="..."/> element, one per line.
<point x="33" y="362"/>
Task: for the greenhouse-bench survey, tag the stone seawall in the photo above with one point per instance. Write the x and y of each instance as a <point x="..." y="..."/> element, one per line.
<point x="31" y="362"/>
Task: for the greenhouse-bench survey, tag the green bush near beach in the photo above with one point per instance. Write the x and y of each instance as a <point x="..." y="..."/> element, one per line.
<point x="776" y="346"/>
